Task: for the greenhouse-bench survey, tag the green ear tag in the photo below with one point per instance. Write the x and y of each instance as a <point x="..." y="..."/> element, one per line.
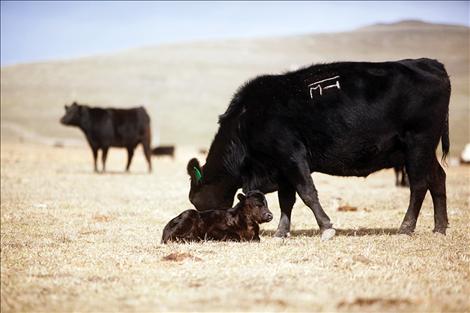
<point x="198" y="174"/>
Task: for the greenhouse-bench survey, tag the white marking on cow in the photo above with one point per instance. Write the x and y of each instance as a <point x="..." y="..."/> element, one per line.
<point x="317" y="85"/>
<point x="334" y="85"/>
<point x="323" y="80"/>
<point x="314" y="88"/>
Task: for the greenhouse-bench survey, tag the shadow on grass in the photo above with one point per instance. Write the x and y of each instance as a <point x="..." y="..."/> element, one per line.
<point x="339" y="232"/>
<point x="117" y="173"/>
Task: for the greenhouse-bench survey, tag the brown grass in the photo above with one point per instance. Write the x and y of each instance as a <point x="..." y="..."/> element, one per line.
<point x="177" y="257"/>
<point x="72" y="240"/>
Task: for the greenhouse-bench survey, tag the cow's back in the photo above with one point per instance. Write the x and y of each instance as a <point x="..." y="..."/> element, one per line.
<point x="130" y="126"/>
<point x="105" y="127"/>
<point x="351" y="116"/>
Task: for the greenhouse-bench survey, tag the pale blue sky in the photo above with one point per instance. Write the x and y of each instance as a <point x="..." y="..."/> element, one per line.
<point x="35" y="31"/>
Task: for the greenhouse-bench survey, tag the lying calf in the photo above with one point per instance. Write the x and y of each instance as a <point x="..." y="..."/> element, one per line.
<point x="239" y="223"/>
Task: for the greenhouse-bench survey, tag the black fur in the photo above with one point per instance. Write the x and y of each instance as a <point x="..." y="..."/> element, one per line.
<point x="239" y="223"/>
<point x="164" y="150"/>
<point x="274" y="135"/>
<point x="106" y="128"/>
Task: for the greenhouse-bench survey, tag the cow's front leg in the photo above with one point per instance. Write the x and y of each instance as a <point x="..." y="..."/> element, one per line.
<point x="299" y="176"/>
<point x="130" y="154"/>
<point x="286" y="196"/>
<point x="95" y="157"/>
<point x="104" y="155"/>
<point x="308" y="194"/>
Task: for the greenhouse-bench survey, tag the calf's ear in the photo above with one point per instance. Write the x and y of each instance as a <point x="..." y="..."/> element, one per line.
<point x="241" y="197"/>
<point x="66" y="107"/>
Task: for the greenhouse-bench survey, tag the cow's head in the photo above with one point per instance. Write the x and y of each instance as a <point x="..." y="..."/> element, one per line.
<point x="255" y="206"/>
<point x="72" y="115"/>
<point x="209" y="192"/>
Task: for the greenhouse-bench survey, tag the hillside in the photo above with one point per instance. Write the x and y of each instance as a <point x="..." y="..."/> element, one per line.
<point x="186" y="86"/>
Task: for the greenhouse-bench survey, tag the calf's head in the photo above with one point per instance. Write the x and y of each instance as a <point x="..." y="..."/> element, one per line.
<point x="209" y="192"/>
<point x="73" y="115"/>
<point x="255" y="206"/>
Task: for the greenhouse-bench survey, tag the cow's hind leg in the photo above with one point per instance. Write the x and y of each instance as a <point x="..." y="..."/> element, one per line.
<point x="148" y="153"/>
<point x="184" y="227"/>
<point x="130" y="155"/>
<point x="104" y="155"/>
<point x="437" y="186"/>
<point x="418" y="191"/>
<point x="418" y="165"/>
<point x="286" y="195"/>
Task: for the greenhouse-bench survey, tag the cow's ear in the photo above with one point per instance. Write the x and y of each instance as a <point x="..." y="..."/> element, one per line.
<point x="66" y="107"/>
<point x="194" y="170"/>
<point x="241" y="197"/>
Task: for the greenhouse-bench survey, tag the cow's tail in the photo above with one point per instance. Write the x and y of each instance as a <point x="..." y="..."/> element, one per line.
<point x="445" y="143"/>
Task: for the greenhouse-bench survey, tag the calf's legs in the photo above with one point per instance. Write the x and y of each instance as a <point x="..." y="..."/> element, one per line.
<point x="184" y="227"/>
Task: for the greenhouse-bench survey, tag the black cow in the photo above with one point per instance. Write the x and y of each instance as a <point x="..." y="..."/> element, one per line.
<point x="164" y="150"/>
<point x="401" y="178"/>
<point x="345" y="119"/>
<point x="106" y="128"/>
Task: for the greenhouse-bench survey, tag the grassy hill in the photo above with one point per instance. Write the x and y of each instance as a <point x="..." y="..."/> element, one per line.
<point x="186" y="86"/>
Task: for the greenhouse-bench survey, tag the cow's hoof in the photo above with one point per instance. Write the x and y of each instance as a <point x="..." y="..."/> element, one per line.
<point x="406" y="231"/>
<point x="327" y="234"/>
<point x="439" y="230"/>
<point x="282" y="234"/>
<point x="407" y="228"/>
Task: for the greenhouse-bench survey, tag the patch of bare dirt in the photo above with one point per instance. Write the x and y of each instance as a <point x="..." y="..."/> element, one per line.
<point x="178" y="257"/>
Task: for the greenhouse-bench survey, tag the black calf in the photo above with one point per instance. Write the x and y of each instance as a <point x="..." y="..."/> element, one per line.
<point x="237" y="224"/>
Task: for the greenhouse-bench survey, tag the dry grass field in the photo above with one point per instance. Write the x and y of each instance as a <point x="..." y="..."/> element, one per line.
<point x="72" y="240"/>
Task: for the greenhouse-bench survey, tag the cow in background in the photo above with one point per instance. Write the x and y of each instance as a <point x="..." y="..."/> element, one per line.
<point x="164" y="150"/>
<point x="105" y="128"/>
<point x="401" y="178"/>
